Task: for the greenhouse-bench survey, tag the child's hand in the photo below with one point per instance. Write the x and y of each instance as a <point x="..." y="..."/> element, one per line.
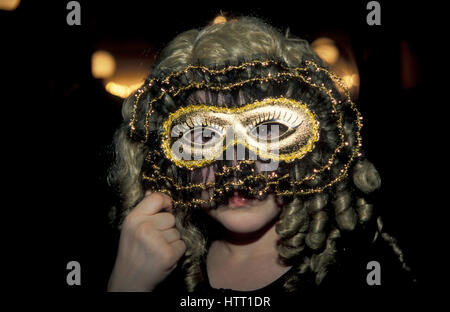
<point x="149" y="247"/>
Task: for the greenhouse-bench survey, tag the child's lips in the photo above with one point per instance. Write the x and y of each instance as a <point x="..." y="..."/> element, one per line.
<point x="238" y="201"/>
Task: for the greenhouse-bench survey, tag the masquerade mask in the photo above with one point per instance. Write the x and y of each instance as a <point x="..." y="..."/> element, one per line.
<point x="301" y="117"/>
<point x="277" y="129"/>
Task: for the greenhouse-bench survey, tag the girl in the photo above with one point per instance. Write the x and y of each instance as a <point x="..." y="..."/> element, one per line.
<point x="242" y="157"/>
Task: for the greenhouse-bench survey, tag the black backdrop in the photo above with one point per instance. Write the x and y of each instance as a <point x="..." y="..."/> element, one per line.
<point x="70" y="120"/>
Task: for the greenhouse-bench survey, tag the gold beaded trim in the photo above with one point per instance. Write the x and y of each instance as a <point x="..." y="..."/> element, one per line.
<point x="321" y="87"/>
<point x="278" y="77"/>
<point x="213" y="71"/>
<point x="273" y="179"/>
<point x="335" y="78"/>
<point x="187" y="69"/>
<point x="166" y="79"/>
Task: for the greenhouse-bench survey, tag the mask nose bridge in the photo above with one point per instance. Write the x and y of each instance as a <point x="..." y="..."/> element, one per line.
<point x="235" y="141"/>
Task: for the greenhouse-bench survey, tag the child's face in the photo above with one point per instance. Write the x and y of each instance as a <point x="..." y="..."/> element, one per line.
<point x="242" y="215"/>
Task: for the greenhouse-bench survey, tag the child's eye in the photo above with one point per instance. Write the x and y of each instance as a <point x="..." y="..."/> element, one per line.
<point x="202" y="135"/>
<point x="269" y="130"/>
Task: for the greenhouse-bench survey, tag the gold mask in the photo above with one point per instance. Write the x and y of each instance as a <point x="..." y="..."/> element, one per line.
<point x="197" y="135"/>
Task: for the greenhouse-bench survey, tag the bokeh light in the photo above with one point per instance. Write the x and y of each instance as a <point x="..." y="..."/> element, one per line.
<point x="220" y="19"/>
<point x="350" y="80"/>
<point x="9" y="5"/>
<point x="326" y="49"/>
<point x="339" y="56"/>
<point x="121" y="90"/>
<point x="103" y="64"/>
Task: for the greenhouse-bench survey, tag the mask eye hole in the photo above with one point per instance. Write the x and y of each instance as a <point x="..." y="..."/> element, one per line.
<point x="269" y="130"/>
<point x="200" y="135"/>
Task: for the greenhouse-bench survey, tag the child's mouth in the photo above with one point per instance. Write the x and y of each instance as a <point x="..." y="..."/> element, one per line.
<point x="238" y="200"/>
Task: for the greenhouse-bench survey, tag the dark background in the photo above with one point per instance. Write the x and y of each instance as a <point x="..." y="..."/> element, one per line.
<point x="64" y="119"/>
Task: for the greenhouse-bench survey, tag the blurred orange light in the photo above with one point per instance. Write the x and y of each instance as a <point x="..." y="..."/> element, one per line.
<point x="220" y="19"/>
<point x="350" y="80"/>
<point x="9" y="5"/>
<point x="121" y="90"/>
<point x="326" y="49"/>
<point x="103" y="64"/>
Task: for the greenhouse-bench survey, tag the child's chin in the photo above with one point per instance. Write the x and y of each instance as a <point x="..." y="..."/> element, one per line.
<point x="243" y="223"/>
